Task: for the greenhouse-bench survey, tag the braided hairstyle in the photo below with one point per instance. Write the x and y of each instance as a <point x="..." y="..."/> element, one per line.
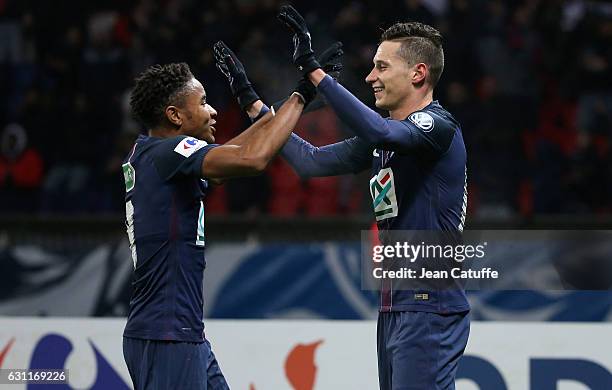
<point x="156" y="88"/>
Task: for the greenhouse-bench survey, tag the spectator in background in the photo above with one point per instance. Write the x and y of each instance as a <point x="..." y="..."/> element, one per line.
<point x="587" y="166"/>
<point x="595" y="80"/>
<point x="21" y="171"/>
<point x="63" y="77"/>
<point x="66" y="184"/>
<point x="319" y="196"/>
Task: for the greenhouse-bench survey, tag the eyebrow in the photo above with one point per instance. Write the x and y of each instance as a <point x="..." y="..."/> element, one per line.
<point x="381" y="62"/>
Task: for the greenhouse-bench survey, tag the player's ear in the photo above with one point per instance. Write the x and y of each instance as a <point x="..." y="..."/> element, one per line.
<point x="174" y="115"/>
<point x="419" y="73"/>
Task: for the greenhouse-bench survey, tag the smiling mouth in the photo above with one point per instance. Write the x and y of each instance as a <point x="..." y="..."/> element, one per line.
<point x="377" y="90"/>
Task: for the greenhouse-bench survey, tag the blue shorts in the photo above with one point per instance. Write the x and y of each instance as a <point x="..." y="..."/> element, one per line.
<point x="420" y="350"/>
<point x="171" y="365"/>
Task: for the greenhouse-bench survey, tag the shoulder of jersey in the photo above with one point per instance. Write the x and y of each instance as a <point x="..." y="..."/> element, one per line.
<point x="423" y="120"/>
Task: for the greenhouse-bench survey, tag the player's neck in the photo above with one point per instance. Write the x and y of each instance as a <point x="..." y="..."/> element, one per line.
<point x="163" y="132"/>
<point x="412" y="104"/>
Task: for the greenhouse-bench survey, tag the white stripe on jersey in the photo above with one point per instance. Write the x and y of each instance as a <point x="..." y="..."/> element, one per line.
<point x="464" y="206"/>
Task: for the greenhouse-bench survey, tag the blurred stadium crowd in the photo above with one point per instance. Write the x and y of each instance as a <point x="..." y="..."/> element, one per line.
<point x="530" y="81"/>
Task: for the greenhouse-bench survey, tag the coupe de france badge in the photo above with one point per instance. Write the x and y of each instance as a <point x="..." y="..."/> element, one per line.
<point x="422" y="120"/>
<point x="189" y="146"/>
<point x="382" y="189"/>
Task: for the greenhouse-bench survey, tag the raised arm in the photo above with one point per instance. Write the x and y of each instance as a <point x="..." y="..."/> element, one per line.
<point x="389" y="134"/>
<point x="386" y="133"/>
<point x="352" y="155"/>
<point x="255" y="153"/>
<point x="422" y="131"/>
<point x="231" y="67"/>
<point x="250" y="152"/>
<point x="348" y="156"/>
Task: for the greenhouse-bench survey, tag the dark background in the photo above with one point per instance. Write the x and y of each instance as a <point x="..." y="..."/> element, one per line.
<point x="530" y="82"/>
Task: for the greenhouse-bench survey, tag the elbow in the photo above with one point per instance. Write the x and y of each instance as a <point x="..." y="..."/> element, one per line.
<point x="255" y="161"/>
<point x="260" y="165"/>
<point x="298" y="166"/>
<point x="372" y="138"/>
<point x="256" y="165"/>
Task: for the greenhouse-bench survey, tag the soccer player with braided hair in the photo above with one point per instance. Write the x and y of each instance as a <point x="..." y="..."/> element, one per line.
<point x="166" y="175"/>
<point x="418" y="183"/>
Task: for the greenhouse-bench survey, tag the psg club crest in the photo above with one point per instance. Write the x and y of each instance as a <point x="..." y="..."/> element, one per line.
<point x="382" y="189"/>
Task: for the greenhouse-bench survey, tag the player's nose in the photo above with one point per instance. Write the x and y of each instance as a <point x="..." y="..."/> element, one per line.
<point x="371" y="77"/>
<point x="211" y="110"/>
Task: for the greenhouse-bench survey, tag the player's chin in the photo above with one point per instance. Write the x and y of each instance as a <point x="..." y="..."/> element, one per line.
<point x="380" y="103"/>
<point x="209" y="135"/>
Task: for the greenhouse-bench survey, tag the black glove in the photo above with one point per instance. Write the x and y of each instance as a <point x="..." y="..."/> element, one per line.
<point x="232" y="68"/>
<point x="306" y="90"/>
<point x="303" y="55"/>
<point x="330" y="59"/>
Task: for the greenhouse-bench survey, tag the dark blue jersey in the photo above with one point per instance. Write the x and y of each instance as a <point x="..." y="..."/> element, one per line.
<point x="424" y="188"/>
<point x="418" y="177"/>
<point x="165" y="226"/>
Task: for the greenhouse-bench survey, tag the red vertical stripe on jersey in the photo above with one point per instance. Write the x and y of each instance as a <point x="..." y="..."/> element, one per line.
<point x="385" y="178"/>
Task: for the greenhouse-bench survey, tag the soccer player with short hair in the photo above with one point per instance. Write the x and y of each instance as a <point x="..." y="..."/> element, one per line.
<point x="167" y="174"/>
<point x="418" y="162"/>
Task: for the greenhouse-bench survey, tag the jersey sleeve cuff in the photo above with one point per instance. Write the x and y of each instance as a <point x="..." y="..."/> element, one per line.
<point x="264" y="110"/>
<point x="197" y="166"/>
<point x="326" y="82"/>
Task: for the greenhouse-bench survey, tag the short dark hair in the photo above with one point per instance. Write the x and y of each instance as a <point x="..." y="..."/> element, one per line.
<point x="420" y="43"/>
<point x="156" y="88"/>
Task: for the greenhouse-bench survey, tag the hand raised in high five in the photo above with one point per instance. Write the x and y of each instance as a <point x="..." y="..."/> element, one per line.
<point x="303" y="55"/>
<point x="330" y="59"/>
<point x="232" y="68"/>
